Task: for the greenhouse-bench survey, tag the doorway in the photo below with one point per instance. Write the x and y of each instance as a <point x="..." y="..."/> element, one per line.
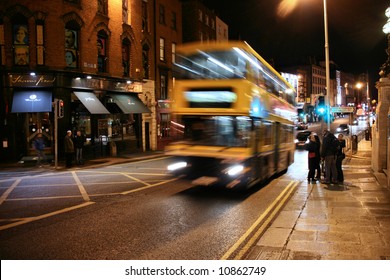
<point x="39" y="123"/>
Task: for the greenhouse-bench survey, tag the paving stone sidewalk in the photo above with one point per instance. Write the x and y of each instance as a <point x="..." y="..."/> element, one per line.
<point x="326" y="222"/>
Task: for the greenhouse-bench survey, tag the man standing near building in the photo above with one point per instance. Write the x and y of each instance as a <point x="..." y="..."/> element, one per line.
<point x="79" y="141"/>
<point x="69" y="148"/>
<point x="329" y="154"/>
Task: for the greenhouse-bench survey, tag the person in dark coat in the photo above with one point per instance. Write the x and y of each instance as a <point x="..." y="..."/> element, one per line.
<point x="79" y="141"/>
<point x="39" y="146"/>
<point x="318" y="158"/>
<point x="340" y="157"/>
<point x="313" y="155"/>
<point x="329" y="156"/>
<point x="69" y="148"/>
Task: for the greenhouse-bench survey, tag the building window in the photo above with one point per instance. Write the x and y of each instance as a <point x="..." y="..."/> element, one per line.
<point x="40" y="46"/>
<point x="145" y="61"/>
<point x="145" y="22"/>
<point x="162" y="49"/>
<point x="163" y="87"/>
<point x="165" y="122"/>
<point x="102" y="51"/>
<point x="200" y="15"/>
<point x="174" y="21"/>
<point x="126" y="58"/>
<point x="173" y="52"/>
<point x="207" y="20"/>
<point x="21" y="41"/>
<point x="213" y="24"/>
<point x="2" y="45"/>
<point x="71" y="47"/>
<point x="162" y="14"/>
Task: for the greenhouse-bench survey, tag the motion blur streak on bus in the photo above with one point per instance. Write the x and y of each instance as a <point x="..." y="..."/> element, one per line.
<point x="233" y="116"/>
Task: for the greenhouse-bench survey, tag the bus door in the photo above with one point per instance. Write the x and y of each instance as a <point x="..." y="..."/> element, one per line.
<point x="277" y="146"/>
<point x="257" y="168"/>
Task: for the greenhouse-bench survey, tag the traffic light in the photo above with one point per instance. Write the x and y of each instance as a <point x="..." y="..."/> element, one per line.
<point x="321" y="105"/>
<point x="60" y="108"/>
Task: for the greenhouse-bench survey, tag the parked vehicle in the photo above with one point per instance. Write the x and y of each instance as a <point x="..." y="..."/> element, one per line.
<point x="343" y="128"/>
<point x="301" y="126"/>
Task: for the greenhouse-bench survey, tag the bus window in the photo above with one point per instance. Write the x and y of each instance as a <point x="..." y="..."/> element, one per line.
<point x="218" y="130"/>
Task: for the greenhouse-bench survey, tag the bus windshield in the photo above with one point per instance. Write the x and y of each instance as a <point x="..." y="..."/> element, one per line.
<point x="217" y="131"/>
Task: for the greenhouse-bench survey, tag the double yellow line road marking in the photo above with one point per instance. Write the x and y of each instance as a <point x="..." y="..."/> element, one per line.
<point x="246" y="241"/>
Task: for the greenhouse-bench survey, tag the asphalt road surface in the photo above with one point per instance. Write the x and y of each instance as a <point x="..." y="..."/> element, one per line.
<point x="132" y="211"/>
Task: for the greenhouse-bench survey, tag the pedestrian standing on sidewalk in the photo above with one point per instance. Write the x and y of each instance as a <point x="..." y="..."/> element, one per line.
<point x="312" y="155"/>
<point x="39" y="146"/>
<point x="340" y="157"/>
<point x="79" y="141"/>
<point x="329" y="154"/>
<point x="318" y="158"/>
<point x="69" y="149"/>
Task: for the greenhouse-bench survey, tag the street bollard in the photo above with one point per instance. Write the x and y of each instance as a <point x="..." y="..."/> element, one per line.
<point x="367" y="134"/>
<point x="354" y="144"/>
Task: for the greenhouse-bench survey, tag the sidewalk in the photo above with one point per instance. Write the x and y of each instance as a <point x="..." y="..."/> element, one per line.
<point x="349" y="222"/>
<point x="90" y="163"/>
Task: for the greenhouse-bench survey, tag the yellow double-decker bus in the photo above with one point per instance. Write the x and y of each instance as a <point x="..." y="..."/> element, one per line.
<point x="232" y="116"/>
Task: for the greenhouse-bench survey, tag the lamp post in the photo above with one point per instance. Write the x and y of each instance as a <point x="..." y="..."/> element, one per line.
<point x="327" y="65"/>
<point x="385" y="69"/>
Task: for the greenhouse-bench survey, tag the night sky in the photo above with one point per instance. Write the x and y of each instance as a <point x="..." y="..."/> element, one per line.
<point x="357" y="43"/>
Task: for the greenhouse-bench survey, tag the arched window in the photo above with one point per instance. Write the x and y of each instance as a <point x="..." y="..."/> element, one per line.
<point x="21" y="40"/>
<point x="145" y="61"/>
<point x="102" y="51"/>
<point x="126" y="57"/>
<point x="71" y="46"/>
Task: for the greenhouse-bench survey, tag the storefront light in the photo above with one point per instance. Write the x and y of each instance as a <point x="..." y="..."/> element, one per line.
<point x="89" y="77"/>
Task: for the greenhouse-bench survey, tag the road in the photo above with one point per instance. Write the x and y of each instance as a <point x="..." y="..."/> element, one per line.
<point x="133" y="211"/>
<point x="129" y="211"/>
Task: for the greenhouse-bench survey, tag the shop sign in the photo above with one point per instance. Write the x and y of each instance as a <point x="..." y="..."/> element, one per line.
<point x="131" y="87"/>
<point x="32" y="81"/>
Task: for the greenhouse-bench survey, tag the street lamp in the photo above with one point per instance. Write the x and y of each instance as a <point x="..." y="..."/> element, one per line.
<point x="359" y="86"/>
<point x="327" y="64"/>
<point x="385" y="69"/>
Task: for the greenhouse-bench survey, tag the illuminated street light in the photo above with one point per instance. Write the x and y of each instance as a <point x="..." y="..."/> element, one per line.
<point x="385" y="69"/>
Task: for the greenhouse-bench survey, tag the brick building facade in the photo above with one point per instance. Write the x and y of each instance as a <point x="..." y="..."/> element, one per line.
<point x="96" y="56"/>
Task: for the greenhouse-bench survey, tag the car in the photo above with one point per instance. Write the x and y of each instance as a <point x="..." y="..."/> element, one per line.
<point x="343" y="128"/>
<point x="301" y="126"/>
<point x="302" y="139"/>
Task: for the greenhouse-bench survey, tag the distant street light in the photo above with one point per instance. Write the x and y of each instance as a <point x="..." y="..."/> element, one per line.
<point x="359" y="86"/>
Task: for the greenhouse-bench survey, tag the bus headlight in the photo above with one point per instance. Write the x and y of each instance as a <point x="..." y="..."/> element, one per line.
<point x="177" y="165"/>
<point x="235" y="170"/>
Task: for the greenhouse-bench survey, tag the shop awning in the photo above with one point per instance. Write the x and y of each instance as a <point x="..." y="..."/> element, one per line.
<point x="130" y="104"/>
<point x="31" y="101"/>
<point x="91" y="102"/>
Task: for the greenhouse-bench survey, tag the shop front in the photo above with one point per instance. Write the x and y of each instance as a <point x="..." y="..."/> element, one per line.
<point x="109" y="113"/>
<point x="32" y="109"/>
